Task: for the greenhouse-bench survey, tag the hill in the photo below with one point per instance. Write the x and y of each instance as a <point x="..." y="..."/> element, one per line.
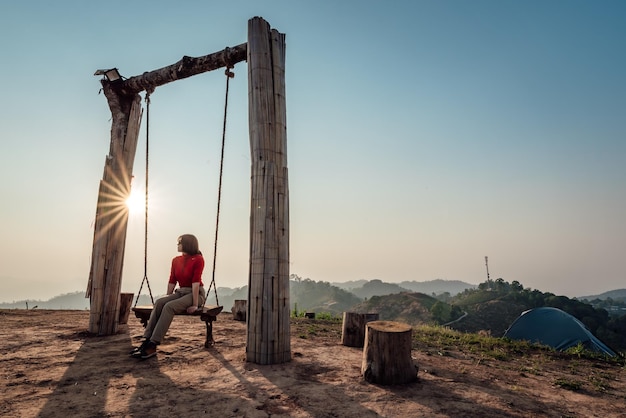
<point x="376" y="288"/>
<point x="498" y="303"/>
<point x="438" y="287"/>
<point x="492" y="307"/>
<point x="305" y="295"/>
<point x="309" y="295"/>
<point x="429" y="287"/>
<point x="617" y="294"/>
<point x="410" y="308"/>
<point x="351" y="284"/>
<point x="67" y="301"/>
<point x="614" y="302"/>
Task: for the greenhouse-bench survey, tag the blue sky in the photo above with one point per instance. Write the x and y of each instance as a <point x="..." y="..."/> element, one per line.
<point x="422" y="137"/>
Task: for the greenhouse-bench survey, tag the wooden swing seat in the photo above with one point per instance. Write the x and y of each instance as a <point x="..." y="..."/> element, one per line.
<point x="208" y="314"/>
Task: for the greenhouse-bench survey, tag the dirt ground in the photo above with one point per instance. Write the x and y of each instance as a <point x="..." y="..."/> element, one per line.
<point x="51" y="367"/>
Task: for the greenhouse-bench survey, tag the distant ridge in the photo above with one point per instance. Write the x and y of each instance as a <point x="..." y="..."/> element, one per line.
<point x="369" y="288"/>
<point x="438" y="286"/>
<point x="70" y="301"/>
<point x="617" y="294"/>
<point x="351" y="284"/>
<point x="360" y="288"/>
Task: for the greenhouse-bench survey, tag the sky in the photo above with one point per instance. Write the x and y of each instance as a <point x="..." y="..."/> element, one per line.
<point x="422" y="136"/>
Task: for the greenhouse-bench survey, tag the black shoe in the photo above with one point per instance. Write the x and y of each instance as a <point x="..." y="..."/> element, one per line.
<point x="136" y="352"/>
<point x="149" y="350"/>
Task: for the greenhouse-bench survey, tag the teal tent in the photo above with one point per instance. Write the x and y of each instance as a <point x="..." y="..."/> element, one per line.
<point x="554" y="328"/>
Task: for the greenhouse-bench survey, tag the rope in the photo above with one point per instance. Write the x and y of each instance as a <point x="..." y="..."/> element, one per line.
<point x="229" y="75"/>
<point x="145" y="235"/>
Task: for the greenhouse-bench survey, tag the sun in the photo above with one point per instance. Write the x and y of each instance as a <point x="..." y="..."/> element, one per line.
<point x="135" y="202"/>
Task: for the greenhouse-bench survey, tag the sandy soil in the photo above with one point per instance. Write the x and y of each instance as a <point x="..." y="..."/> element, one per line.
<point x="51" y="367"/>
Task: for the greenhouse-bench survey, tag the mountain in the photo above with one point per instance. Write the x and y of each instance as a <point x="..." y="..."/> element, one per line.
<point x="428" y="287"/>
<point x="305" y="295"/>
<point x="69" y="301"/>
<point x="438" y="286"/>
<point x="349" y="285"/>
<point x="377" y="288"/>
<point x="410" y="308"/>
<point x="491" y="308"/>
<point x="308" y="295"/>
<point x="618" y="294"/>
<point x="72" y="301"/>
<point x="227" y="296"/>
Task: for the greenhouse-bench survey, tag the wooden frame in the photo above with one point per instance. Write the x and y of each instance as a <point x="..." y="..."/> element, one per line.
<point x="268" y="282"/>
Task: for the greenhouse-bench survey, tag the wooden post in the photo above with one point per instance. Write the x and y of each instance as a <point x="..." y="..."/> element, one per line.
<point x="353" y="329"/>
<point x="387" y="353"/>
<point x="107" y="259"/>
<point x="240" y="309"/>
<point x="126" y="300"/>
<point x="268" y="334"/>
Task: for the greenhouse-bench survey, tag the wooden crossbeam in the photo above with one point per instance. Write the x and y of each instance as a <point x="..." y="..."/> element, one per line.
<point x="184" y="68"/>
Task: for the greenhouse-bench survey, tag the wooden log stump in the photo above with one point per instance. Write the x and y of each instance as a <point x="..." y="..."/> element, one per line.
<point x="387" y="353"/>
<point x="240" y="309"/>
<point x="353" y="330"/>
<point x="126" y="300"/>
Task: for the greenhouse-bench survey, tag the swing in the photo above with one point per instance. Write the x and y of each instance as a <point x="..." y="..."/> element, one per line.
<point x="208" y="313"/>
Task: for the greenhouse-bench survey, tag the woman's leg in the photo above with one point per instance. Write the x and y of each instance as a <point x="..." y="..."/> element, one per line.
<point x="172" y="307"/>
<point x="156" y="313"/>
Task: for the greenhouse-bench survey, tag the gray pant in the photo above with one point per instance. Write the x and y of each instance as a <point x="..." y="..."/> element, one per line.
<point x="166" y="307"/>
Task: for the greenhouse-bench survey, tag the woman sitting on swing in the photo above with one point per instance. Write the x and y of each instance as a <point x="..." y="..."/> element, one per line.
<point x="186" y="271"/>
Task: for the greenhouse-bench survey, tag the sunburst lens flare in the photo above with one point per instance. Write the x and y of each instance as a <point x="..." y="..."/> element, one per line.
<point x="135" y="202"/>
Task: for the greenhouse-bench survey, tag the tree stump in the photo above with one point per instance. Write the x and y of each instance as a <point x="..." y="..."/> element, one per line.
<point x="240" y="309"/>
<point x="126" y="299"/>
<point x="353" y="330"/>
<point x="387" y="353"/>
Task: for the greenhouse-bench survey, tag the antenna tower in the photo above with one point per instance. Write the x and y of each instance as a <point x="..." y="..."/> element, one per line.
<point x="487" y="265"/>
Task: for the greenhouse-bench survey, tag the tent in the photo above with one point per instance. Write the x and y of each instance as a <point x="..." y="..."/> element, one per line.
<point x="554" y="328"/>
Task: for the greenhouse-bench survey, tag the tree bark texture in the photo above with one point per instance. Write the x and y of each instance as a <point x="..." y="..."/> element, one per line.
<point x="184" y="68"/>
<point x="126" y="301"/>
<point x="107" y="259"/>
<point x="387" y="353"/>
<point x="240" y="309"/>
<point x="353" y="329"/>
<point x="268" y="333"/>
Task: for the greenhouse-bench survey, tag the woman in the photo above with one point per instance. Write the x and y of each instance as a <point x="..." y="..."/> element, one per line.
<point x="186" y="271"/>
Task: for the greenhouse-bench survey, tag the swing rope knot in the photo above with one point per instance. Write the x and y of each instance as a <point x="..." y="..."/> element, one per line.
<point x="226" y="58"/>
<point x="149" y="91"/>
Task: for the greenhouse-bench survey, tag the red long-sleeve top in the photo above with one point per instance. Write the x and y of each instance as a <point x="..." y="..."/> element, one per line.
<point x="187" y="269"/>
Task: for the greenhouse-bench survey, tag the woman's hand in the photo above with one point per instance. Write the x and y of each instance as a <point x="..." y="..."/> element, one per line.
<point x="192" y="309"/>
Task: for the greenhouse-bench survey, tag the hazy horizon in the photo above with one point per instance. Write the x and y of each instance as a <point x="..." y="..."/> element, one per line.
<point x="155" y="293"/>
<point x="422" y="136"/>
